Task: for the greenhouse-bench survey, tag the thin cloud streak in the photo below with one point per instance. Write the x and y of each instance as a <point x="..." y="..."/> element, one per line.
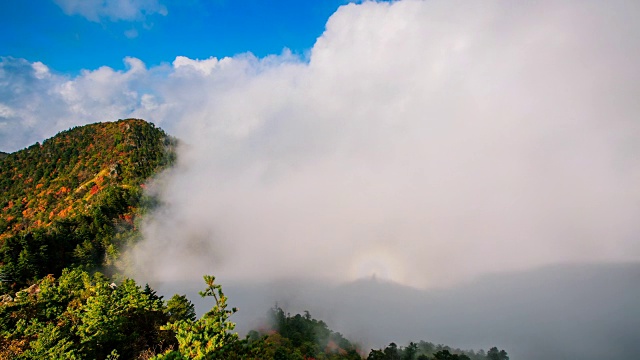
<point x="113" y="10"/>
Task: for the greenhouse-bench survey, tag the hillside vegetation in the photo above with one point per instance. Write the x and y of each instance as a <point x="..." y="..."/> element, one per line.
<point x="74" y="199"/>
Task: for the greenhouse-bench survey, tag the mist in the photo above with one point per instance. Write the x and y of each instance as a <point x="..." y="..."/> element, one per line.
<point x="478" y="160"/>
<point x="425" y="143"/>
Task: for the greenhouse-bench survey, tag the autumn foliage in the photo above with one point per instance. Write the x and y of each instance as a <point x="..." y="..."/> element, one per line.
<point x="72" y="199"/>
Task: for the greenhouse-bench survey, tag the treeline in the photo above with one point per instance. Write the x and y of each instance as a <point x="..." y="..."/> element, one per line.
<point x="428" y="351"/>
<point x="87" y="316"/>
<point x="298" y="337"/>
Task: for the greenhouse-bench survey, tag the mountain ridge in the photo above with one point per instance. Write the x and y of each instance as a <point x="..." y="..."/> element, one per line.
<point x="74" y="198"/>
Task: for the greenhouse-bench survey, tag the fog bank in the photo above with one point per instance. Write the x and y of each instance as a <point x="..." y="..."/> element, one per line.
<point x="421" y="142"/>
<point x="586" y="311"/>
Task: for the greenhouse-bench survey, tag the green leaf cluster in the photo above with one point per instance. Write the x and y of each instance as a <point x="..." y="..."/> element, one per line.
<point x="210" y="337"/>
<point x="82" y="316"/>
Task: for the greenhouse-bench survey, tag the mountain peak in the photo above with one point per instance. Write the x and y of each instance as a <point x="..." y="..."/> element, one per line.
<point x="63" y="176"/>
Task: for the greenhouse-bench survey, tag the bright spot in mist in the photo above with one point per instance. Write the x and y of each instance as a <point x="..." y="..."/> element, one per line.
<point x="379" y="264"/>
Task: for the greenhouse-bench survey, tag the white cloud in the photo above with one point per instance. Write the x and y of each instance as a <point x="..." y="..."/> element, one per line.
<point x="427" y="142"/>
<point x="131" y="33"/>
<point x="43" y="103"/>
<point x="421" y="142"/>
<point x="41" y="70"/>
<point x="203" y="66"/>
<point x="114" y="10"/>
<point x="6" y="111"/>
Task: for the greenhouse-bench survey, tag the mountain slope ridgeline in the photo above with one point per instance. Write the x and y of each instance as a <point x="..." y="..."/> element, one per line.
<point x="73" y="199"/>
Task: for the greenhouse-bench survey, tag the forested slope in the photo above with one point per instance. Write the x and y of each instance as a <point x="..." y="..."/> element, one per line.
<point x="73" y="200"/>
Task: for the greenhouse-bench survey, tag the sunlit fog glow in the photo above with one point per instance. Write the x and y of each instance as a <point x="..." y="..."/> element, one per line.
<point x="378" y="264"/>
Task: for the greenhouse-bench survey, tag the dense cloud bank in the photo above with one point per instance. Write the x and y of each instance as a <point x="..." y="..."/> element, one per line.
<point x="424" y="142"/>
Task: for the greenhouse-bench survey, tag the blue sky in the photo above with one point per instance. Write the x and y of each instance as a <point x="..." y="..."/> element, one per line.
<point x="68" y="41"/>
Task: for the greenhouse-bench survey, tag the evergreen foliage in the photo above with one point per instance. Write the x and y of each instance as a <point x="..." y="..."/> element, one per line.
<point x="306" y="338"/>
<point x="81" y="316"/>
<point x="210" y="337"/>
<point x="180" y="308"/>
<point x="428" y="351"/>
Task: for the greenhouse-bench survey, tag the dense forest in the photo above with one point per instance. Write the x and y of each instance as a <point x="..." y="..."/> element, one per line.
<point x="69" y="205"/>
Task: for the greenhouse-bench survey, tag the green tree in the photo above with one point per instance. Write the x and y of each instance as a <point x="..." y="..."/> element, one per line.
<point x="81" y="316"/>
<point x="377" y="355"/>
<point x="495" y="354"/>
<point x="211" y="336"/>
<point x="446" y="355"/>
<point x="180" y="308"/>
<point x="410" y="352"/>
<point x="392" y="352"/>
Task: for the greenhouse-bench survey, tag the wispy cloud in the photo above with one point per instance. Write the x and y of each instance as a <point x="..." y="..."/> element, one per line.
<point x="131" y="33"/>
<point x="114" y="10"/>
